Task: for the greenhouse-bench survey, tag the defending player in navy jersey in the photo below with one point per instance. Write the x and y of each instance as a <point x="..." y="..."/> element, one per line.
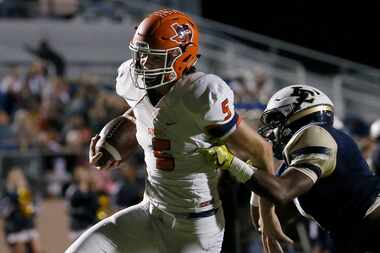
<point x="323" y="171"/>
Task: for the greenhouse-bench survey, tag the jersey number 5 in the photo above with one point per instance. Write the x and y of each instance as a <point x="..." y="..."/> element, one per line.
<point x="226" y="109"/>
<point x="161" y="147"/>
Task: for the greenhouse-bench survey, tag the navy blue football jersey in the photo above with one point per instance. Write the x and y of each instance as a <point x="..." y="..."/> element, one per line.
<point x="344" y="186"/>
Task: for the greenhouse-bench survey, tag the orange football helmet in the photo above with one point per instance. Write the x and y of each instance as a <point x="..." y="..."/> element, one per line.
<point x="165" y="45"/>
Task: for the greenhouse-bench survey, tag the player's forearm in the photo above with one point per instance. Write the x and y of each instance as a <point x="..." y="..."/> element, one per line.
<point x="255" y="216"/>
<point x="266" y="209"/>
<point x="262" y="154"/>
<point x="261" y="182"/>
<point x="278" y="190"/>
<point x="260" y="151"/>
<point x="270" y="187"/>
<point x="266" y="157"/>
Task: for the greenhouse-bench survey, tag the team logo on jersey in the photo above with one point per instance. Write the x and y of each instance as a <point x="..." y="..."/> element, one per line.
<point x="183" y="33"/>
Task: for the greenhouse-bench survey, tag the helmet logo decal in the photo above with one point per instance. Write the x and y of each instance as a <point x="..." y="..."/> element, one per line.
<point x="303" y="95"/>
<point x="183" y="33"/>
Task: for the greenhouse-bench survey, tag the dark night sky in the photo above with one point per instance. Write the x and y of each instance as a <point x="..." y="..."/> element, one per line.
<point x="351" y="31"/>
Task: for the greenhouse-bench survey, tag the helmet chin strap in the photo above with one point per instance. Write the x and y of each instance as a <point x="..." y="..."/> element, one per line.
<point x="152" y="80"/>
<point x="281" y="140"/>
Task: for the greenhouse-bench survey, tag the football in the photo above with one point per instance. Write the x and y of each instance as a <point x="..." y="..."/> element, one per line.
<point x="117" y="140"/>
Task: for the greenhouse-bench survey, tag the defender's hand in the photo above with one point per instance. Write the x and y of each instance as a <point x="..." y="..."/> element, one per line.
<point x="218" y="155"/>
<point x="271" y="228"/>
<point x="94" y="156"/>
<point x="270" y="244"/>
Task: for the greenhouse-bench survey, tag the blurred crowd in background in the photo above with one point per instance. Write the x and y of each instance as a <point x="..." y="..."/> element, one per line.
<point x="46" y="122"/>
<point x="46" y="113"/>
<point x="63" y="9"/>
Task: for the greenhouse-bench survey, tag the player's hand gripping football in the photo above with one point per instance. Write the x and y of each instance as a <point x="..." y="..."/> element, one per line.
<point x="220" y="156"/>
<point x="94" y="156"/>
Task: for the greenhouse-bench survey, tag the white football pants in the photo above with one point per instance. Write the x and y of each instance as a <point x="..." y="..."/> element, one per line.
<point x="144" y="228"/>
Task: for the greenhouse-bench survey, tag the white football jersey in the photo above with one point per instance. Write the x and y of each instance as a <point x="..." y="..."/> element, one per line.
<point x="197" y="111"/>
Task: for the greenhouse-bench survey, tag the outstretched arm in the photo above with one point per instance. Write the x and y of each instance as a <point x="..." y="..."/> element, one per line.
<point x="279" y="190"/>
<point x="260" y="152"/>
<point x="258" y="148"/>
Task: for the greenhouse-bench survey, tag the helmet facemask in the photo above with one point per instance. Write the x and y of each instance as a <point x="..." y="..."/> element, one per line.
<point x="153" y="68"/>
<point x="274" y="128"/>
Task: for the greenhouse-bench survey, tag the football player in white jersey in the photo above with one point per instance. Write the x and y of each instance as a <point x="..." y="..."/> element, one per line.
<point x="178" y="111"/>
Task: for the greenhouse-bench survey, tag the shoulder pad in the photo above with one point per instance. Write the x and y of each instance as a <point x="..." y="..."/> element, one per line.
<point x="312" y="146"/>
